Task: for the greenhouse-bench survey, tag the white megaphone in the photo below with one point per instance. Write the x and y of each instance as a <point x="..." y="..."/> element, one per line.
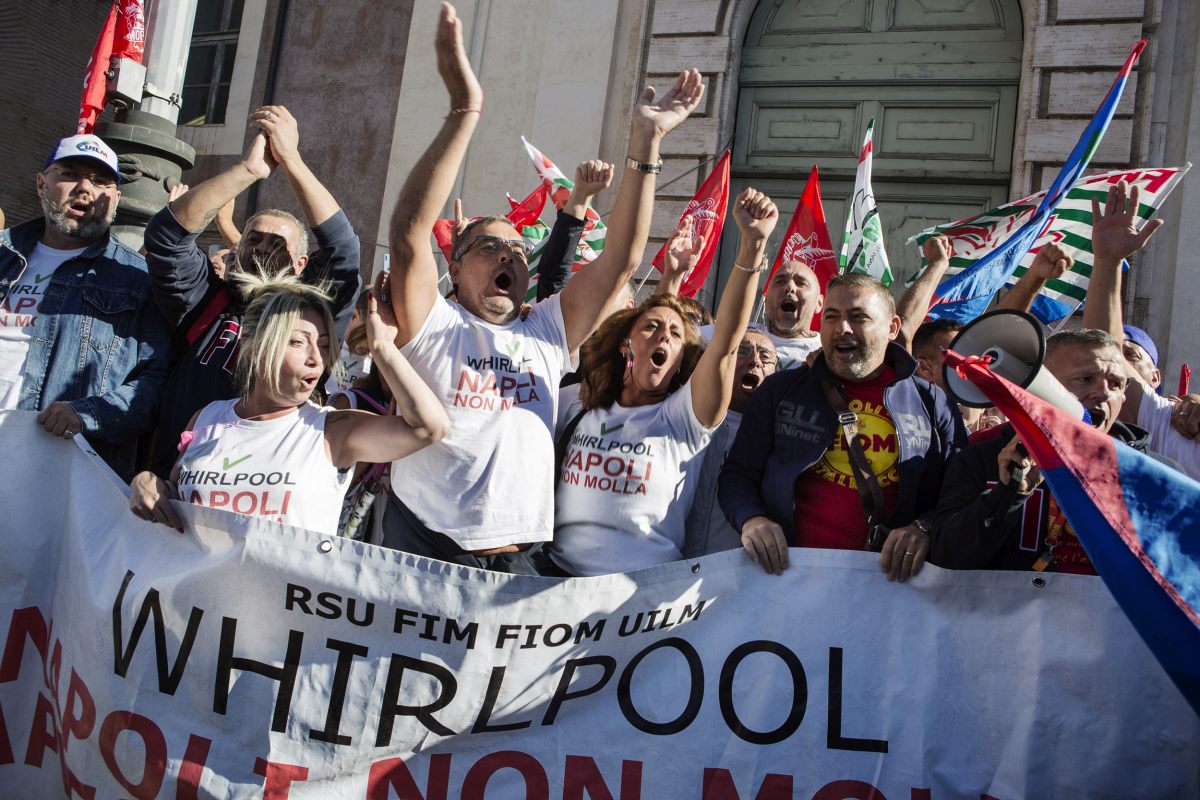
<point x="1013" y="344"/>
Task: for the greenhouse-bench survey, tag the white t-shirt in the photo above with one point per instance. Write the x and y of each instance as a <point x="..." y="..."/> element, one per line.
<point x="1154" y="414"/>
<point x="628" y="478"/>
<point x="490" y="482"/>
<point x="275" y="468"/>
<point x="346" y="371"/>
<point x="18" y="315"/>
<point x="790" y="352"/>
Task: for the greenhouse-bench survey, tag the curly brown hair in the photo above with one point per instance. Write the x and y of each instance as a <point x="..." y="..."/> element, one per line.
<point x="604" y="365"/>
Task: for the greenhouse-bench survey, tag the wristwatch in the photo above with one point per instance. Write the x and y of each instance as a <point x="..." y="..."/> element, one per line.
<point x="923" y="526"/>
<point x="642" y="166"/>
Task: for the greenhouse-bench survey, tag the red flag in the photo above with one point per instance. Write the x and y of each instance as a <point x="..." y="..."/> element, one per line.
<point x="522" y="214"/>
<point x="130" y="39"/>
<point x="95" y="81"/>
<point x="707" y="210"/>
<point x="1185" y="379"/>
<point x="807" y="239"/>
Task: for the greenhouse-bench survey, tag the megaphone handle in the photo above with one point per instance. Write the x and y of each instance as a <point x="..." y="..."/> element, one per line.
<point x="1008" y="492"/>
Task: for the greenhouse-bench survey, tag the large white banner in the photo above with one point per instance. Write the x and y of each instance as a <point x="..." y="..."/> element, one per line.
<point x="246" y="659"/>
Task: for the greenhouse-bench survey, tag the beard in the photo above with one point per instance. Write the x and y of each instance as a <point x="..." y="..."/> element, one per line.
<point x="858" y="367"/>
<point x="84" y="229"/>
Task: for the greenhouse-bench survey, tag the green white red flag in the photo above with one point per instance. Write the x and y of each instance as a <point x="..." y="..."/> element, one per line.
<point x="1070" y="227"/>
<point x="591" y="243"/>
<point x="862" y="245"/>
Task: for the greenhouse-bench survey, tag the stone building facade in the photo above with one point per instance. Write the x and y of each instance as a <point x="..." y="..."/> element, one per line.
<point x="976" y="102"/>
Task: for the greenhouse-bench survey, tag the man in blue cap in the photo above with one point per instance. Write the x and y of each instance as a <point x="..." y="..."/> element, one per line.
<point x="80" y="339"/>
<point x="1142" y="354"/>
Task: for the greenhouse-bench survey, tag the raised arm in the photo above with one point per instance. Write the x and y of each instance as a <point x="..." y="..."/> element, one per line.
<point x="283" y="137"/>
<point x="1051" y="263"/>
<point x="414" y="270"/>
<point x="558" y="256"/>
<point x="680" y="254"/>
<point x="1115" y="237"/>
<point x="420" y="419"/>
<point x="593" y="288"/>
<point x="196" y="208"/>
<point x="712" y="381"/>
<point x="914" y="305"/>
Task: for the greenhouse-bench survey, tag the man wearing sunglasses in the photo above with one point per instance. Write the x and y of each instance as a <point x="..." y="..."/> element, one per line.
<point x="483" y="495"/>
<point x="80" y="338"/>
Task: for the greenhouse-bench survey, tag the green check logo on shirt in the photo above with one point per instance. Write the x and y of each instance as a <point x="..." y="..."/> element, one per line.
<point x="605" y="430"/>
<point x="40" y="278"/>
<point x="231" y="464"/>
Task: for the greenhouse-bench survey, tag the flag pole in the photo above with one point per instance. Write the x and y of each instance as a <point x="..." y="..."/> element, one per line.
<point x="645" y="278"/>
<point x="1059" y="325"/>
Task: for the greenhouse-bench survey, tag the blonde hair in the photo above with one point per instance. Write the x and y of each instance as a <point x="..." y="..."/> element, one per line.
<point x="603" y="365"/>
<point x="273" y="305"/>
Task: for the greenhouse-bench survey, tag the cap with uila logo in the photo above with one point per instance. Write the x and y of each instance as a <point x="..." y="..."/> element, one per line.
<point x="85" y="145"/>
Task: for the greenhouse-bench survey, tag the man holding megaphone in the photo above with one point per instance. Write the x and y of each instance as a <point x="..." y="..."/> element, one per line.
<point x="994" y="512"/>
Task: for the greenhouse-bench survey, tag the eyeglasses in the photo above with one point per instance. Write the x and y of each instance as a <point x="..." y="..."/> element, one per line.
<point x="101" y="180"/>
<point x="765" y="356"/>
<point x="494" y="246"/>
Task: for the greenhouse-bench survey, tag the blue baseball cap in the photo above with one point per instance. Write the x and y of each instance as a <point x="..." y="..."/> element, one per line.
<point x="85" y="145"/>
<point x="1142" y="340"/>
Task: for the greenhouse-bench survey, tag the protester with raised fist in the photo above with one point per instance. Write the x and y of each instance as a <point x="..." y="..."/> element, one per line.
<point x="270" y="452"/>
<point x="651" y="400"/>
<point x="204" y="313"/>
<point x="80" y="339"/>
<point x="480" y="497"/>
<point x="558" y="256"/>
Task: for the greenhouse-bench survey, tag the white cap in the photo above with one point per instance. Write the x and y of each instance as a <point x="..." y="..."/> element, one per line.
<point x="86" y="145"/>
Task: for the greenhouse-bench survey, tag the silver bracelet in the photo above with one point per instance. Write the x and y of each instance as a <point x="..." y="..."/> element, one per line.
<point x="762" y="267"/>
<point x="642" y="166"/>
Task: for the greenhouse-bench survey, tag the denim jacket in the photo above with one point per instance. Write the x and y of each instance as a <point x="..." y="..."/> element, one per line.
<point x="99" y="342"/>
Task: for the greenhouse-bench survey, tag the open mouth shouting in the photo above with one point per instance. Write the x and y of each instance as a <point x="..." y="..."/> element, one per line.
<point x="846" y="348"/>
<point x="503" y="280"/>
<point x="79" y="209"/>
<point x="750" y="381"/>
<point x="1098" y="415"/>
<point x="789" y="305"/>
<point x="309" y="382"/>
<point x="659" y="357"/>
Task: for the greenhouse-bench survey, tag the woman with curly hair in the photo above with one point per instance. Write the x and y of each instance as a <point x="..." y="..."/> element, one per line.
<point x="651" y="397"/>
<point x="271" y="452"/>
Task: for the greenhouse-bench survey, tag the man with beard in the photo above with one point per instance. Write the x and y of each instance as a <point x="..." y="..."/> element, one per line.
<point x="202" y="308"/>
<point x="80" y="339"/>
<point x="790" y="477"/>
<point x="707" y="529"/>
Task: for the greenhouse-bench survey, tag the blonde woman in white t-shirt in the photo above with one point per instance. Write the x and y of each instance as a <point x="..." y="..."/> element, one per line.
<point x="271" y="453"/>
<point x="651" y="397"/>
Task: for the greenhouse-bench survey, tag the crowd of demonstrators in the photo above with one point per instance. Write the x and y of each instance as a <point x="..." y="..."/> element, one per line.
<point x="498" y="374"/>
<point x="271" y="453"/>
<point x="455" y="434"/>
<point x="204" y="315"/>
<point x="81" y="341"/>
<point x="650" y="399"/>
